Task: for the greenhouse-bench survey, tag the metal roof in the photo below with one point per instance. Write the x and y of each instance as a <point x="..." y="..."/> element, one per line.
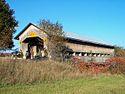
<point x="86" y="39"/>
<point x="74" y="36"/>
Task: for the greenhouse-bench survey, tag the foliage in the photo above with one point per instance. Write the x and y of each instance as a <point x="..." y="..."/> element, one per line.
<point x="5" y="54"/>
<point x="29" y="71"/>
<point x="7" y="25"/>
<point x="117" y="65"/>
<point x="56" y="39"/>
<point x="119" y="51"/>
<point x="92" y="67"/>
<point x="114" y="65"/>
<point x="17" y="54"/>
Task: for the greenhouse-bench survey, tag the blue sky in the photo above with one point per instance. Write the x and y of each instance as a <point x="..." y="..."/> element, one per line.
<point x="100" y="19"/>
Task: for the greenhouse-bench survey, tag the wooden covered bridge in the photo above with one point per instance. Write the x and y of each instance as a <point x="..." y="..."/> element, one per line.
<point x="34" y="39"/>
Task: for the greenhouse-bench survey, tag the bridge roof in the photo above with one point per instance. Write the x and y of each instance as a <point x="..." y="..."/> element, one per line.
<point x="74" y="37"/>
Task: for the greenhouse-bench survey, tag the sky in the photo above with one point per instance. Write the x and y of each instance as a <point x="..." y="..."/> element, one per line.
<point x="100" y="19"/>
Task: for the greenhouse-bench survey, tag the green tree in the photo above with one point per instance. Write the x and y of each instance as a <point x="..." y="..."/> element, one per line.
<point x="56" y="39"/>
<point x="7" y="25"/>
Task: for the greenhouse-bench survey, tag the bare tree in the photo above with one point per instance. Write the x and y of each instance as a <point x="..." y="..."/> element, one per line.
<point x="56" y="39"/>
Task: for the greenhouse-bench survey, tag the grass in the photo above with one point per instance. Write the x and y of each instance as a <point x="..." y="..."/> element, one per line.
<point x="50" y="77"/>
<point x="20" y="71"/>
<point x="101" y="84"/>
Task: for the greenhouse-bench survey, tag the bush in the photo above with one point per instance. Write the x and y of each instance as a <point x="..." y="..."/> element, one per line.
<point x="90" y="67"/>
<point x="116" y="65"/>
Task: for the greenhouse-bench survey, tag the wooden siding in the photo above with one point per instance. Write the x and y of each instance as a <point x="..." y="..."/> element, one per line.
<point x="88" y="48"/>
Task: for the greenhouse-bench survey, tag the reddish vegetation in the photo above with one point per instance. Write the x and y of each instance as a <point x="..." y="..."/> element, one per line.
<point x="116" y="60"/>
<point x="113" y="65"/>
<point x="117" y="65"/>
<point x="94" y="67"/>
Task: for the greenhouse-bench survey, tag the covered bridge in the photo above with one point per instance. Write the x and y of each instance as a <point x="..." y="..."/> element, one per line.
<point x="34" y="39"/>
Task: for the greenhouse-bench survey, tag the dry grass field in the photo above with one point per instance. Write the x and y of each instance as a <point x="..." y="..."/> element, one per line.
<point x="49" y="77"/>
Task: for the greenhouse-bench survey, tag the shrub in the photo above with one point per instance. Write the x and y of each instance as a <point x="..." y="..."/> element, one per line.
<point x="116" y="65"/>
<point x="90" y="67"/>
